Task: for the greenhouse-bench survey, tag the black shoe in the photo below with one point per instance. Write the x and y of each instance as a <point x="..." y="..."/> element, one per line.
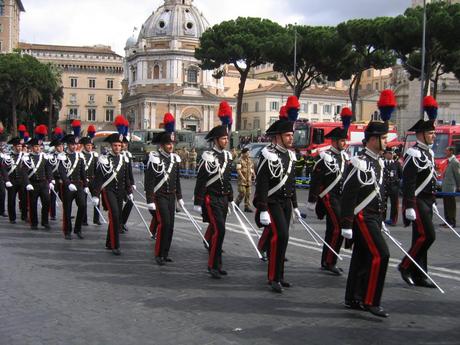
<point x="247" y="210"/>
<point x="286" y="259"/>
<point x="406" y="276"/>
<point x="355" y="305"/>
<point x="46" y="226"/>
<point x="52" y="218"/>
<point x="167" y="259"/>
<point x="206" y="246"/>
<point x="377" y="311"/>
<point x="34" y="227"/>
<point x="222" y="272"/>
<point x="79" y="235"/>
<point x="276" y="287"/>
<point x="160" y="261"/>
<point x="24" y="218"/>
<point x="12" y="222"/>
<point x="333" y="269"/>
<point x="116" y="252"/>
<point x="124" y="228"/>
<point x="97" y="223"/>
<point x="4" y="215"/>
<point x="214" y="273"/>
<point x="285" y="284"/>
<point x="68" y="237"/>
<point x="108" y="247"/>
<point x="264" y="256"/>
<point x="424" y="283"/>
<point x="85" y="224"/>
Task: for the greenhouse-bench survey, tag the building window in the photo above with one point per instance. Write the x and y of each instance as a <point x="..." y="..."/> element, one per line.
<point x="304" y="107"/>
<point x="315" y="108"/>
<point x="134" y="73"/>
<point x="338" y="109"/>
<point x="327" y="109"/>
<point x="92" y="83"/>
<point x="274" y="106"/>
<point x="109" y="98"/>
<point x="73" y="113"/>
<point x="2" y="7"/>
<point x="91" y="99"/>
<point x="256" y="123"/>
<point x="257" y="108"/>
<point x="192" y="76"/>
<point x="245" y="124"/>
<point x="376" y="86"/>
<point x="92" y="115"/>
<point x="369" y="73"/>
<point x="1" y="46"/>
<point x="156" y="72"/>
<point x="73" y="82"/>
<point x="245" y="107"/>
<point x="109" y="84"/>
<point x="73" y="98"/>
<point x="1" y="27"/>
<point x="109" y="115"/>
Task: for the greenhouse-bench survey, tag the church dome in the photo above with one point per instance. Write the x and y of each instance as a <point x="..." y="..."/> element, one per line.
<point x="175" y="18"/>
<point x="131" y="42"/>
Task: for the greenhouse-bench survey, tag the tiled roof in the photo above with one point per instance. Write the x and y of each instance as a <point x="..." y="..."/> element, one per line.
<point x="73" y="49"/>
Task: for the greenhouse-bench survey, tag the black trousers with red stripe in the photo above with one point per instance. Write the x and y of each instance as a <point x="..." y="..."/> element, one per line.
<point x="95" y="213"/>
<point x="20" y="190"/>
<point x="423" y="236"/>
<point x="165" y="211"/>
<point x="41" y="190"/>
<point x="392" y="193"/>
<point x="53" y="198"/>
<point x="126" y="211"/>
<point x="113" y="202"/>
<point x="280" y="216"/>
<point x="333" y="231"/>
<point x="2" y="197"/>
<point x="216" y="209"/>
<point x="369" y="260"/>
<point x="67" y="198"/>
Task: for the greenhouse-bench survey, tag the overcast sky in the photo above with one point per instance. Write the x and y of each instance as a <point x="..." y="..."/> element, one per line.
<point x="111" y="22"/>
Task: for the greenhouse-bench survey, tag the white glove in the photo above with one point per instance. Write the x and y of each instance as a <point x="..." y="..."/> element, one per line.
<point x="311" y="206"/>
<point x="182" y="203"/>
<point x="131" y="197"/>
<point x="8" y="184"/>
<point x="435" y="209"/>
<point x="134" y="187"/>
<point x="151" y="206"/>
<point x="297" y="213"/>
<point x="197" y="209"/>
<point x="53" y="181"/>
<point x="86" y="190"/>
<point x="265" y="218"/>
<point x="95" y="200"/>
<point x="51" y="185"/>
<point x="347" y="233"/>
<point x="410" y="214"/>
<point x="29" y="187"/>
<point x="72" y="187"/>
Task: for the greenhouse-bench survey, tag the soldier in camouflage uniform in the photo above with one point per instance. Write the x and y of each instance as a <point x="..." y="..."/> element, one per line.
<point x="245" y="169"/>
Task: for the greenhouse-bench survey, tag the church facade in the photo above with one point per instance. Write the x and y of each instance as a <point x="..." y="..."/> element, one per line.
<point x="162" y="75"/>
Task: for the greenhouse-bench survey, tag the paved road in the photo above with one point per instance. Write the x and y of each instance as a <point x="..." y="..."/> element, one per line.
<point x="54" y="291"/>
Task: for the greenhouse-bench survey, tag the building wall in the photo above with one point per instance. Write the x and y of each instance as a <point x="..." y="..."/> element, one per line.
<point x="98" y="73"/>
<point x="9" y="25"/>
<point x="376" y="80"/>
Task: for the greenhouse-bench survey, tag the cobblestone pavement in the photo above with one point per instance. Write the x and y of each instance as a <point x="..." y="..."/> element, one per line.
<point x="54" y="291"/>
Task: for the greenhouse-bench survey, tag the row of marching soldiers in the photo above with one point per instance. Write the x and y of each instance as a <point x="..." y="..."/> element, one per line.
<point x="347" y="192"/>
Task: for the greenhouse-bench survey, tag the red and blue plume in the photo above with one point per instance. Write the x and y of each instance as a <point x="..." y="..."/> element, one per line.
<point x="346" y="116"/>
<point x="431" y="107"/>
<point x="22" y="129"/>
<point x="26" y="136"/>
<point x="76" y="127"/>
<point x="120" y="123"/>
<point x="91" y="131"/>
<point x="58" y="133"/>
<point x="126" y="129"/>
<point x="292" y="107"/>
<point x="225" y="114"/>
<point x="169" y="123"/>
<point x="387" y="104"/>
<point x="41" y="131"/>
<point x="283" y="113"/>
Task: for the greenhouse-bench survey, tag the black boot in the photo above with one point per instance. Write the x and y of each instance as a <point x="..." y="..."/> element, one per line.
<point x="406" y="276"/>
<point x="276" y="287"/>
<point x="214" y="273"/>
<point x="377" y="311"/>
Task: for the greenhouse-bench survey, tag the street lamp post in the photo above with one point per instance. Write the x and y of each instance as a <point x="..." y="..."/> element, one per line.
<point x="295" y="56"/>
<point x="422" y="74"/>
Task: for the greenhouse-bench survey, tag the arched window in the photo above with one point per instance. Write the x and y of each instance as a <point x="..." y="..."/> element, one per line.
<point x="156" y="72"/>
<point x="192" y="76"/>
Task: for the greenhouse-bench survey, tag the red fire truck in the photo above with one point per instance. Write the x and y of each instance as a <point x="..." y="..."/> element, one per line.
<point x="446" y="135"/>
<point x="310" y="135"/>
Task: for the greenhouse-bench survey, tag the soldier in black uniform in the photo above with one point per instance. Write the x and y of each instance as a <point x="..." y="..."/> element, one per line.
<point x="113" y="184"/>
<point x="129" y="204"/>
<point x="162" y="187"/>
<point x="213" y="194"/>
<point x="392" y="175"/>
<point x="361" y="220"/>
<point x="325" y="194"/>
<point x="91" y="158"/>
<point x="419" y="188"/>
<point x="275" y="197"/>
<point x="2" y="180"/>
<point x="74" y="186"/>
<point x="15" y="179"/>
<point x="54" y="162"/>
<point x="39" y="175"/>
